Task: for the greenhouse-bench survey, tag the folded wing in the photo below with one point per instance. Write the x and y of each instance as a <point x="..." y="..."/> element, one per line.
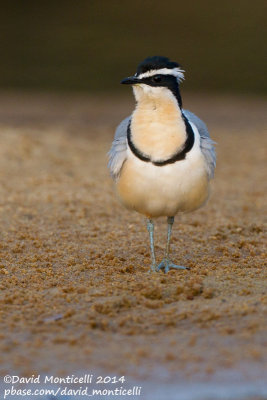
<point x="118" y="152"/>
<point x="206" y="144"/>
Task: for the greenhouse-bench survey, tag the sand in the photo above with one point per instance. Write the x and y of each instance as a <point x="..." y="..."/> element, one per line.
<point x="75" y="292"/>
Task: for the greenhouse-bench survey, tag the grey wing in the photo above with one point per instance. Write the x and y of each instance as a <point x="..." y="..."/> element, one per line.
<point x="206" y="144"/>
<point x="118" y="152"/>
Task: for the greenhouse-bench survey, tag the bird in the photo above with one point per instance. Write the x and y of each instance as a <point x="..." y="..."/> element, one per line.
<point x="162" y="158"/>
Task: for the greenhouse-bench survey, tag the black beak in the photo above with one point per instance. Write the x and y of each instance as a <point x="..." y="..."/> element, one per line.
<point x="131" y="80"/>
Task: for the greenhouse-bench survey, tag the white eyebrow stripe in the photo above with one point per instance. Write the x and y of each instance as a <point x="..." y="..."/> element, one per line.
<point x="177" y="72"/>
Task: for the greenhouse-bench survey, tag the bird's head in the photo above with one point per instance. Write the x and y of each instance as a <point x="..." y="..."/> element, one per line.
<point x="156" y="77"/>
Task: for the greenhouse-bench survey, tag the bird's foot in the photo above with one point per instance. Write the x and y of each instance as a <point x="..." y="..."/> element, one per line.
<point x="166" y="265"/>
<point x="153" y="268"/>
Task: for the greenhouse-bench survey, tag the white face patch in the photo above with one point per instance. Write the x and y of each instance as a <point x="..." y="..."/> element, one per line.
<point x="145" y="92"/>
<point x="177" y="72"/>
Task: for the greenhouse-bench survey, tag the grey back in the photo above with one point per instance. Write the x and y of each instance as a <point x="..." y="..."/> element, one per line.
<point x="118" y="152"/>
<point x="206" y="143"/>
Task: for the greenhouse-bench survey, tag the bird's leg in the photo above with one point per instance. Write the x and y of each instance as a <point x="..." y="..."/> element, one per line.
<point x="166" y="264"/>
<point x="170" y="221"/>
<point x="150" y="228"/>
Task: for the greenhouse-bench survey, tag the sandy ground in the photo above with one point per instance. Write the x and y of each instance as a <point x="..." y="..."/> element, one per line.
<point x="75" y="292"/>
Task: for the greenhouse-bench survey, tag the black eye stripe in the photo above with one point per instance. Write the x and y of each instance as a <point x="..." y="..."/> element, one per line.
<point x="156" y="78"/>
<point x="168" y="81"/>
<point x="160" y="79"/>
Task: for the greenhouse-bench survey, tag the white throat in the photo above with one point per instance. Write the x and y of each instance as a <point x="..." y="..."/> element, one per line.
<point x="154" y="97"/>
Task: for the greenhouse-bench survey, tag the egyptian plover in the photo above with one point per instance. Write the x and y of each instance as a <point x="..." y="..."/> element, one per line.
<point x="162" y="157"/>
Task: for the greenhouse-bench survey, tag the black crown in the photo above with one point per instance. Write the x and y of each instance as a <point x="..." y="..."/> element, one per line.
<point x="155" y="62"/>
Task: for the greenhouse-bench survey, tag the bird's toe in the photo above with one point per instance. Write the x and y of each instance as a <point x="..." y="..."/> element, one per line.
<point x="166" y="265"/>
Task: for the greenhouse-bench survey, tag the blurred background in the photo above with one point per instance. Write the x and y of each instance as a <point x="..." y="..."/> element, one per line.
<point x="74" y="291"/>
<point x="90" y="45"/>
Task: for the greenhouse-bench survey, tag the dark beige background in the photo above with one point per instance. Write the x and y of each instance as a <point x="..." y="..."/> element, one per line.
<point x="92" y="45"/>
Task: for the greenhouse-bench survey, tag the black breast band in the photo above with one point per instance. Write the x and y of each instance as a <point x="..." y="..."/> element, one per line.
<point x="180" y="155"/>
